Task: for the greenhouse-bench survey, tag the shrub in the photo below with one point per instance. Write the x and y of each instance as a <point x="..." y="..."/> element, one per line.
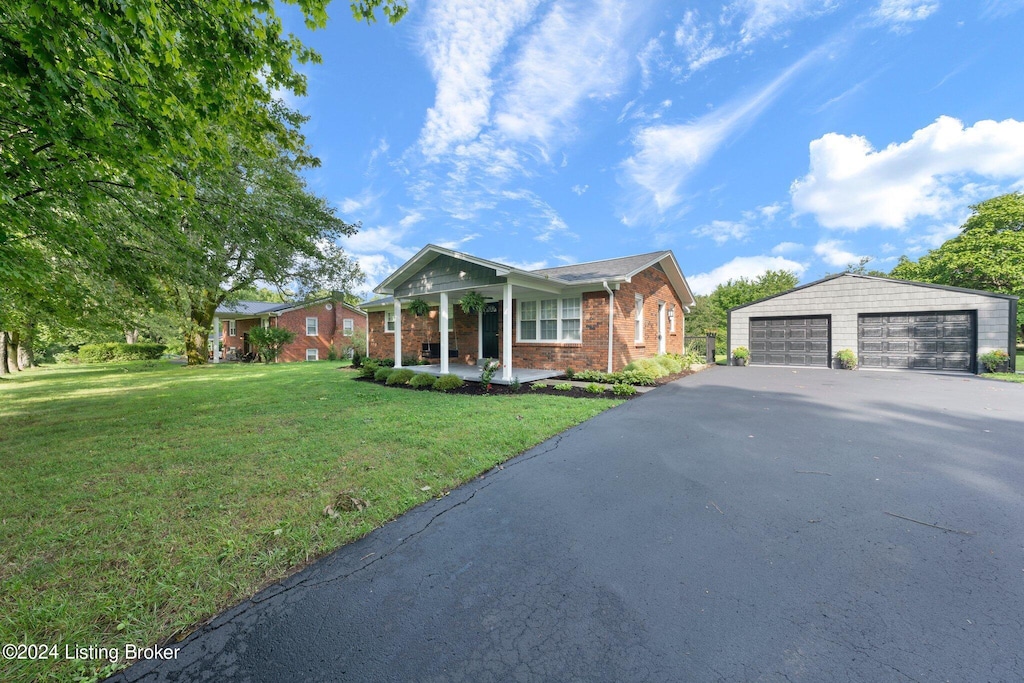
<point x="119" y="351"/>
<point x="594" y="388"/>
<point x="847" y="359"/>
<point x="591" y="376"/>
<point x="637" y="377"/>
<point x="487" y="373"/>
<point x="369" y="369"/>
<point x="514" y="386"/>
<point x="564" y="386"/>
<point x="270" y="341"/>
<point x="448" y="382"/>
<point x="382" y="374"/>
<point x="382" y="362"/>
<point x="332" y="352"/>
<point x="536" y="387"/>
<point x="648" y="365"/>
<point x="422" y="380"/>
<point x="693" y="358"/>
<point x="994" y="360"/>
<point x="670" y="364"/>
<point x="624" y="390"/>
<point x="570" y="373"/>
<point x="400" y="376"/>
<point x="63" y="357"/>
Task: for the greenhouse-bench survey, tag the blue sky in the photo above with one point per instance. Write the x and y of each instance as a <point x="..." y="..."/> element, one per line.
<point x="754" y="134"/>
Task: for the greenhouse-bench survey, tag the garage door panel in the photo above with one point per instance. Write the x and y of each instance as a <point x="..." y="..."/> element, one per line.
<point x="791" y="341"/>
<point x="917" y="341"/>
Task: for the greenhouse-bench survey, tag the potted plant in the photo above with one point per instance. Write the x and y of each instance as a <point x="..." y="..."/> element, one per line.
<point x="419" y="307"/>
<point x="740" y="355"/>
<point x="847" y="359"/>
<point x="472" y="302"/>
<point x="995" y="361"/>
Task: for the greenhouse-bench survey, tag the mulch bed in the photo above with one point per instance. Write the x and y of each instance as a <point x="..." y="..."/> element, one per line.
<point x="477" y="389"/>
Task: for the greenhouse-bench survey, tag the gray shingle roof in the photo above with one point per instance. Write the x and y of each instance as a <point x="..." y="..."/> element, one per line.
<point x="600" y="270"/>
<point x="250" y="308"/>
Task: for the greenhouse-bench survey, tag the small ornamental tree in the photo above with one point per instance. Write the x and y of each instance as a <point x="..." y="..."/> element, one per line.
<point x="270" y="341"/>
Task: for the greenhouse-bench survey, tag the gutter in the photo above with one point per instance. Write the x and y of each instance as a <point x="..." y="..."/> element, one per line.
<point x="611" y="324"/>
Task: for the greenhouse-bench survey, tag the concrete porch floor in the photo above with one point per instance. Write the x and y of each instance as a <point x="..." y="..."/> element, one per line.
<point x="471" y="373"/>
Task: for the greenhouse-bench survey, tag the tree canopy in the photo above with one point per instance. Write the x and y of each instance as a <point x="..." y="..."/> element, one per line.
<point x="988" y="254"/>
<point x="710" y="312"/>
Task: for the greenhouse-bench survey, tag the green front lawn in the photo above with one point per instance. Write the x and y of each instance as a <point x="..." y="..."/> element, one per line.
<point x="1004" y="376"/>
<point x="142" y="498"/>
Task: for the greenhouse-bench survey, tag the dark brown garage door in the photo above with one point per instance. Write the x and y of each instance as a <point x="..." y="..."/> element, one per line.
<point x="917" y="341"/>
<point x="790" y="341"/>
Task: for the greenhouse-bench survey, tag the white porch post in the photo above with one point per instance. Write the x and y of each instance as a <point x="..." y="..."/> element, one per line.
<point x="398" y="333"/>
<point x="216" y="339"/>
<point x="506" y="334"/>
<point x="443" y="327"/>
<point x="479" y="335"/>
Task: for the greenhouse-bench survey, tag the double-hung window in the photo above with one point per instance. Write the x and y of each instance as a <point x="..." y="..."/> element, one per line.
<point x="551" y="320"/>
<point x="638" y="320"/>
<point x="232" y="328"/>
<point x="347" y="326"/>
<point x="312" y="327"/>
<point x="389" y="321"/>
<point x="312" y="354"/>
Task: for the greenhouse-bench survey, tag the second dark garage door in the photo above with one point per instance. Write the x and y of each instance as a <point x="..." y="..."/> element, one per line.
<point x="790" y="341"/>
<point x="916" y="341"/>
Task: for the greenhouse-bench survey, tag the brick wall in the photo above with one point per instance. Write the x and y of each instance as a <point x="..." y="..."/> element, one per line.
<point x="418" y="330"/>
<point x="654" y="286"/>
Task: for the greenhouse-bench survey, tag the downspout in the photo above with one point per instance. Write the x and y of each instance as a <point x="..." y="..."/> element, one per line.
<point x="611" y="324"/>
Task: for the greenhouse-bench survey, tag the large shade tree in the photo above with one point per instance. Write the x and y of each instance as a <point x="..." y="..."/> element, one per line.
<point x="255" y="222"/>
<point x="988" y="254"/>
<point x="710" y="312"/>
<point x="113" y="108"/>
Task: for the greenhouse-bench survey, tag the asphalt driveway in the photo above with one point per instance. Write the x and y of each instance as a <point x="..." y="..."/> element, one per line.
<point x="738" y="525"/>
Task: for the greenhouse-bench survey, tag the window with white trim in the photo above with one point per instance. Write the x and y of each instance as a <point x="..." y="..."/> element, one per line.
<point x="312" y="354"/>
<point x="550" y="320"/>
<point x="638" y="319"/>
<point x="672" y="319"/>
<point x="232" y="328"/>
<point x="312" y="327"/>
<point x="389" y="321"/>
<point x="348" y="325"/>
<point x="451" y="317"/>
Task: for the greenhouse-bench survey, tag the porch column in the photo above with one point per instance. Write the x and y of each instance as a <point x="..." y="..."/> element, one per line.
<point x="398" y="333"/>
<point x="479" y="335"/>
<point x="443" y="327"/>
<point x="506" y="334"/>
<point x="216" y="339"/>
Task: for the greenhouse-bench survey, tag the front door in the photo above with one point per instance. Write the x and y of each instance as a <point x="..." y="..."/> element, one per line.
<point x="489" y="329"/>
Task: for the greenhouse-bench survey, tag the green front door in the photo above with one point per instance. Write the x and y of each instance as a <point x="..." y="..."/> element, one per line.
<point x="489" y="328"/>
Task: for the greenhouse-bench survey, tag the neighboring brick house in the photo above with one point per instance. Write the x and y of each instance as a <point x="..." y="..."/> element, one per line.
<point x="599" y="315"/>
<point x="318" y="325"/>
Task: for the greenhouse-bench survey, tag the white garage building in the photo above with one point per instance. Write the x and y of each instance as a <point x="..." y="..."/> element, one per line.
<point x="890" y="324"/>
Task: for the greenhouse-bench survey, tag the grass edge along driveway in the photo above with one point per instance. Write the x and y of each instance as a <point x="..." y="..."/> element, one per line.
<point x="140" y="499"/>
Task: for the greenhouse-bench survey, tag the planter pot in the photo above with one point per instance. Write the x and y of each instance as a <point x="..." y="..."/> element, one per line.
<point x="739" y="361"/>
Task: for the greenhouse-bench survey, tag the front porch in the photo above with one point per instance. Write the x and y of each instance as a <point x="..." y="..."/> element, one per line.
<point x="471" y="373"/>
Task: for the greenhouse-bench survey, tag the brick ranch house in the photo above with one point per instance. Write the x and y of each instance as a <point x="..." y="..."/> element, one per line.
<point x="317" y="325"/>
<point x="599" y="315"/>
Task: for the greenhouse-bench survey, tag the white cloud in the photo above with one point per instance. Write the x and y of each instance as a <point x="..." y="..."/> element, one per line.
<point x="696" y="38"/>
<point x="765" y="16"/>
<point x="741" y="266"/>
<point x="834" y="253"/>
<point x="376" y="267"/>
<point x="383" y="238"/>
<point x="457" y="243"/>
<point x="898" y="13"/>
<point x="410" y="219"/>
<point x="521" y="265"/>
<point x="786" y="248"/>
<point x="667" y="154"/>
<point x="463" y="42"/>
<point x="363" y="203"/>
<point x="575" y="54"/>
<point x="723" y="231"/>
<point x="851" y="185"/>
<point x="539" y="216"/>
<point x="580" y="189"/>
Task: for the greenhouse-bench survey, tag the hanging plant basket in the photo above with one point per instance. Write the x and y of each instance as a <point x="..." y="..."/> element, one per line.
<point x="472" y="302"/>
<point x="419" y="307"/>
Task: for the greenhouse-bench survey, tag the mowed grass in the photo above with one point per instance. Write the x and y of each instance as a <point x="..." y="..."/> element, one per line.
<point x="1004" y="376"/>
<point x="137" y="500"/>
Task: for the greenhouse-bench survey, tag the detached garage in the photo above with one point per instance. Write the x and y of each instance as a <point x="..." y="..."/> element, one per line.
<point x="890" y="324"/>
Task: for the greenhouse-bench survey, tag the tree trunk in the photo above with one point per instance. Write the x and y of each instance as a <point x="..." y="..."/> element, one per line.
<point x="131" y="336"/>
<point x="26" y="354"/>
<point x="3" y="353"/>
<point x="13" y="342"/>
<point x="197" y="339"/>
